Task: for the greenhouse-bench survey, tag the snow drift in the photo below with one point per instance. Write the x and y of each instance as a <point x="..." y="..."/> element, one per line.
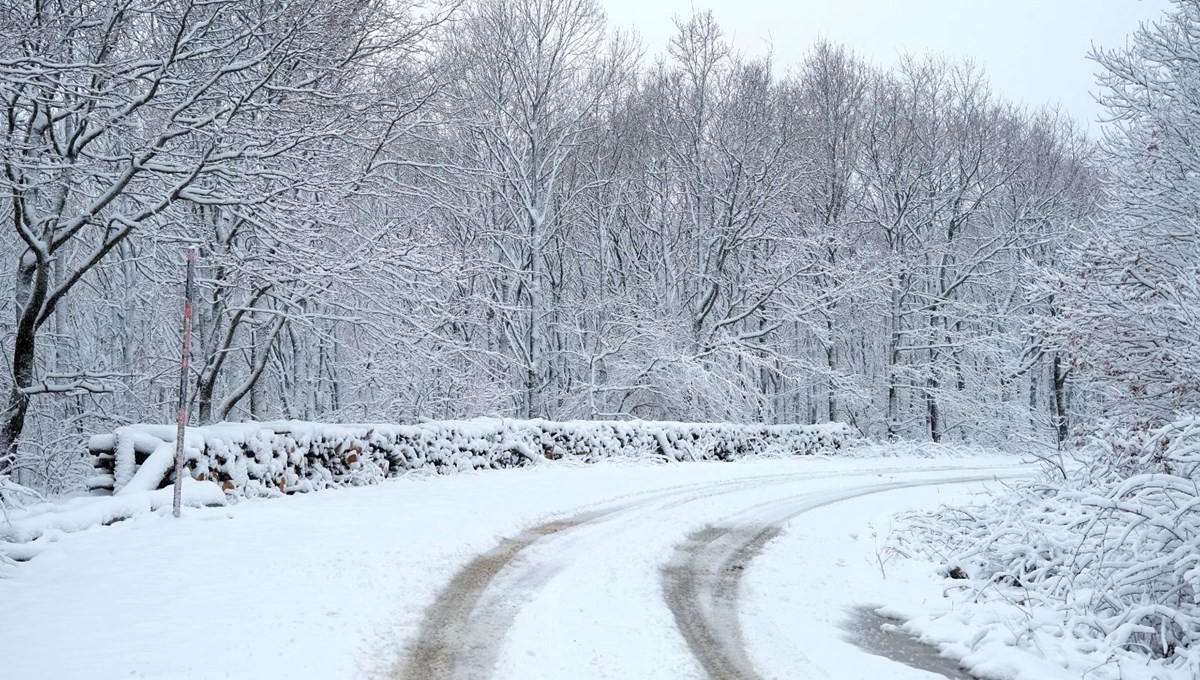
<point x="262" y="459"/>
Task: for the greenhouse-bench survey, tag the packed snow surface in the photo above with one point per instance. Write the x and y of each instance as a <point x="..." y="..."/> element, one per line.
<point x="342" y="584"/>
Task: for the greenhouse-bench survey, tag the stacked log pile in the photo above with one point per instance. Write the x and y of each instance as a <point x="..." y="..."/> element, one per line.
<point x="262" y="459"/>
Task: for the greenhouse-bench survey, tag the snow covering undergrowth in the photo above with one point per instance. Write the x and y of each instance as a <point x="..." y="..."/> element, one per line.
<point x="1096" y="575"/>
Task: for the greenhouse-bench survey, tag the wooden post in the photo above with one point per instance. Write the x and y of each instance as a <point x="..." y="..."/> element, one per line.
<point x="183" y="381"/>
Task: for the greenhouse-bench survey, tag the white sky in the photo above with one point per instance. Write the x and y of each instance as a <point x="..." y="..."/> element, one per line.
<point x="1034" y="51"/>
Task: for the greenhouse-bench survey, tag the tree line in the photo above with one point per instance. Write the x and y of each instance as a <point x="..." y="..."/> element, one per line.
<point x="506" y="208"/>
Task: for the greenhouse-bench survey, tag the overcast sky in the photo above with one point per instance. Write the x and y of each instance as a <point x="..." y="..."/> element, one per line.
<point x="1035" y="51"/>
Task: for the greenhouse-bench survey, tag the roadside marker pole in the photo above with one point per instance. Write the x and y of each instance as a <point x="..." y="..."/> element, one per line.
<point x="183" y="381"/>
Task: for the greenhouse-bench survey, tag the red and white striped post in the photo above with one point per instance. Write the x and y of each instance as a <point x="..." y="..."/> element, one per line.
<point x="183" y="381"/>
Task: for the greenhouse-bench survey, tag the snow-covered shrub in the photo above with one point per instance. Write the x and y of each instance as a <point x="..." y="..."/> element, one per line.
<point x="258" y="459"/>
<point x="1116" y="546"/>
<point x="13" y="497"/>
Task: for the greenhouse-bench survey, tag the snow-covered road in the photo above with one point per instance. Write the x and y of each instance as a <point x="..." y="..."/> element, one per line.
<point x="707" y="570"/>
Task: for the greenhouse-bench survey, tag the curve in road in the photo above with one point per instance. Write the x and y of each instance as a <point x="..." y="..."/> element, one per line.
<point x="462" y="633"/>
<point x="702" y="581"/>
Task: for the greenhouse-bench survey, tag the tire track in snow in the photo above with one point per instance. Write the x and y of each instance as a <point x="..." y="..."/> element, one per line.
<point x="702" y="581"/>
<point x="462" y="633"/>
<point x="454" y="642"/>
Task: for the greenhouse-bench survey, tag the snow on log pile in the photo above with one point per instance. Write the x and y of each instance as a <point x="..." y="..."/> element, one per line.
<point x="261" y="459"/>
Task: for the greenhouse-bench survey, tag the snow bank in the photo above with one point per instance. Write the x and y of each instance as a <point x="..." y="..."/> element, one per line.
<point x="1099" y="572"/>
<point x="264" y="459"/>
<point x="26" y="530"/>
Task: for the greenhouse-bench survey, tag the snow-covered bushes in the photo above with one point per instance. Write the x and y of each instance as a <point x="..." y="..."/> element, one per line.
<point x="13" y="497"/>
<point x="257" y="459"/>
<point x="1115" y="547"/>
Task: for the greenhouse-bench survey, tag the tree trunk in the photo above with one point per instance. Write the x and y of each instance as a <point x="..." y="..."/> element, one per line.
<point x="30" y="280"/>
<point x="893" y="396"/>
<point x="831" y="363"/>
<point x="1061" y="424"/>
<point x="932" y="383"/>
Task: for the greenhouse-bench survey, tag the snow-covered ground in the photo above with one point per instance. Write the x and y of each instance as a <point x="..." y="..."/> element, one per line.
<point x="352" y="582"/>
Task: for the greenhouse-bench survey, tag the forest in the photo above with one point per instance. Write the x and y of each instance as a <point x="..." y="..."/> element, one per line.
<point x="406" y="211"/>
